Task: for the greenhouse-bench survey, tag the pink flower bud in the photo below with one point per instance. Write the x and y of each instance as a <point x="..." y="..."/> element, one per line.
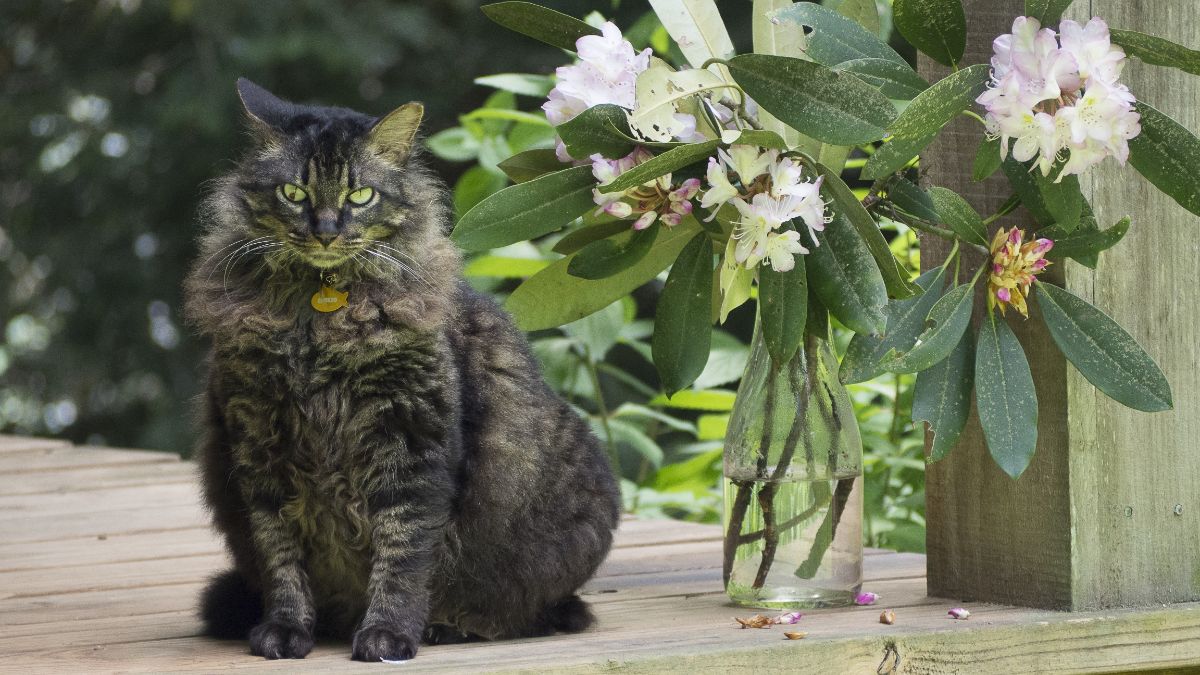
<point x="645" y="220"/>
<point x="671" y="219"/>
<point x="866" y="598"/>
<point x="958" y="613"/>
<point x="1043" y="245"/>
<point x="1003" y="294"/>
<point x="1014" y="237"/>
<point x="1040" y="264"/>
<point x="789" y="618"/>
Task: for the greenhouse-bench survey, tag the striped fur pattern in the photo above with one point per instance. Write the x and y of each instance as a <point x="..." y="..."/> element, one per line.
<point x="394" y="470"/>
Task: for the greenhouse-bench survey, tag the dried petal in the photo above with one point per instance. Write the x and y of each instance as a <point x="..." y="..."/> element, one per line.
<point x="756" y="621"/>
<point x="795" y="635"/>
<point x="789" y="618"/>
<point x="958" y="613"/>
<point x="887" y="616"/>
<point x="866" y="598"/>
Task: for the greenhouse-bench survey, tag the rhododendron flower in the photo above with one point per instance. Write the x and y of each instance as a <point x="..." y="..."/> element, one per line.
<point x="958" y="613"/>
<point x="655" y="200"/>
<point x="866" y="598"/>
<point x="1058" y="97"/>
<point x="788" y="618"/>
<point x="1014" y="265"/>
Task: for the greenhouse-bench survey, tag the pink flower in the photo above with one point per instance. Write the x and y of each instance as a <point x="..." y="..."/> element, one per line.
<point x="789" y="618"/>
<point x="1014" y="266"/>
<point x="866" y="598"/>
<point x="959" y="613"/>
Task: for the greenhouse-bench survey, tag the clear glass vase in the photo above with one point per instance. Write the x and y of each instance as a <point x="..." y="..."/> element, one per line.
<point x="793" y="483"/>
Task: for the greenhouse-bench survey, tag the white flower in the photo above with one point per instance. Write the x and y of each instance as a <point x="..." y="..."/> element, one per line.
<point x="781" y="250"/>
<point x="809" y="207"/>
<point x="605" y="73"/>
<point x="720" y="190"/>
<point x="748" y="161"/>
<point x="1053" y="98"/>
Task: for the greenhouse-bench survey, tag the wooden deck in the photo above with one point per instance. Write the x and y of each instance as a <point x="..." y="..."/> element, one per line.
<point x="103" y="551"/>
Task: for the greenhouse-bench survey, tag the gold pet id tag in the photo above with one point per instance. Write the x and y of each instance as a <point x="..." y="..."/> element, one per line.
<point x="329" y="299"/>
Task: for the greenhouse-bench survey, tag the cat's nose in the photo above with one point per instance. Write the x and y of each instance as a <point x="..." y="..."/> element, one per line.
<point x="326" y="229"/>
<point x="326" y="238"/>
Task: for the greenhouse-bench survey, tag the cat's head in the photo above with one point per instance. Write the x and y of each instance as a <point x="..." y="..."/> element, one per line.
<point x="331" y="188"/>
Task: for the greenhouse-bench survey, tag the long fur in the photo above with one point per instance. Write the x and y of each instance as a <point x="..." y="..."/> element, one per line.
<point x="397" y="465"/>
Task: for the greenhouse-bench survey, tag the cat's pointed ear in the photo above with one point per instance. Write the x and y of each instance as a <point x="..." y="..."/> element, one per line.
<point x="392" y="136"/>
<point x="267" y="112"/>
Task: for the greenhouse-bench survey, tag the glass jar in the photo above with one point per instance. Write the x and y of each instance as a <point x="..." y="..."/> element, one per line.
<point x="793" y="482"/>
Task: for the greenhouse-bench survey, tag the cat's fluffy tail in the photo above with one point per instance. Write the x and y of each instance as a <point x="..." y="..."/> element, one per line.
<point x="569" y="615"/>
<point x="229" y="606"/>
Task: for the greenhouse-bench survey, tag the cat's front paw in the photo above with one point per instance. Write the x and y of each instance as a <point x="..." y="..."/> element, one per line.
<point x="278" y="639"/>
<point x="380" y="643"/>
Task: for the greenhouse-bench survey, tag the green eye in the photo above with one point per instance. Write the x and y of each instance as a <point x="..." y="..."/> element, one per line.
<point x="293" y="193"/>
<point x="361" y="196"/>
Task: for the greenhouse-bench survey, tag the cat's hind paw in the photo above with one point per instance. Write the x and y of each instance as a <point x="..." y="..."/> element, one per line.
<point x="380" y="643"/>
<point x="278" y="639"/>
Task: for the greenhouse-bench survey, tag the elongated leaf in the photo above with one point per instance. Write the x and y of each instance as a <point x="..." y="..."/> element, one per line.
<point x="578" y="238"/>
<point x="945" y="325"/>
<point x="553" y="297"/>
<point x="783" y="308"/>
<point x="894" y="276"/>
<point x="894" y="155"/>
<point x="1050" y="203"/>
<point x="1156" y="51"/>
<point x="864" y="12"/>
<point x="1048" y="12"/>
<point x="987" y="159"/>
<point x="1004" y="396"/>
<point x="683" y="324"/>
<point x="525" y="84"/>
<point x="846" y="278"/>
<point x="1102" y="351"/>
<point x="525" y="166"/>
<point x="714" y="400"/>
<point x="835" y="38"/>
<point x="1168" y="155"/>
<point x="893" y="79"/>
<point x="905" y="321"/>
<point x="662" y="92"/>
<point x="936" y="27"/>
<point x="540" y="23"/>
<point x="911" y="199"/>
<point x="816" y="101"/>
<point x="759" y="137"/>
<point x="526" y="211"/>
<point x="696" y="27"/>
<point x="954" y="211"/>
<point x="671" y="160"/>
<point x="605" y="257"/>
<point x="1083" y="245"/>
<point x="942" y="396"/>
<point x="941" y="102"/>
<point x="602" y="129"/>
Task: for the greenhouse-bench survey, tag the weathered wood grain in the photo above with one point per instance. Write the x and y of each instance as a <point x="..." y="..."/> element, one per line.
<point x="1059" y="536"/>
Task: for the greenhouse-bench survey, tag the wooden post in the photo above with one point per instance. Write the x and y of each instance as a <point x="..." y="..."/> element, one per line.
<point x="1108" y="513"/>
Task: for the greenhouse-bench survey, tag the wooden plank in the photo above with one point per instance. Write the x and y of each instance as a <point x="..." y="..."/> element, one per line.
<point x="100" y="478"/>
<point x="102" y="523"/>
<point x="13" y="465"/>
<point x="87" y="551"/>
<point x="27" y="443"/>
<point x="109" y="499"/>
<point x="1058" y="537"/>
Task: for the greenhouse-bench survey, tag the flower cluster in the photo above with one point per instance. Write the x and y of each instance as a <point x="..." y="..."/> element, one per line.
<point x="655" y="200"/>
<point x="772" y="192"/>
<point x="1056" y="93"/>
<point x="1014" y="265"/>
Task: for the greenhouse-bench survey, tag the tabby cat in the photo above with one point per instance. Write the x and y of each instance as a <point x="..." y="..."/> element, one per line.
<point x="380" y="451"/>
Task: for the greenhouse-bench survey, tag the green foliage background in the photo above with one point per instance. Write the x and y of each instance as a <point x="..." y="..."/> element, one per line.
<point x="115" y="112"/>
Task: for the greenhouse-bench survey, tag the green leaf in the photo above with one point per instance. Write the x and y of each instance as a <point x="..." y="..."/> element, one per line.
<point x="540" y="23"/>
<point x="846" y="278"/>
<point x="726" y="361"/>
<point x="598" y="332"/>
<point x="1156" y="51"/>
<point x="504" y="267"/>
<point x="661" y="165"/>
<point x="783" y="307"/>
<point x="713" y="400"/>
<point x="1102" y="351"/>
<point x="1048" y="12"/>
<point x="759" y="137"/>
<point x="683" y="323"/>
<point x="553" y="297"/>
<point x="829" y="106"/>
<point x="1050" y="203"/>
<point x="942" y="397"/>
<point x="936" y="27"/>
<point x="1083" y="245"/>
<point x="1168" y="155"/>
<point x="942" y="102"/>
<point x="864" y="12"/>
<point x="697" y="28"/>
<point x="905" y="321"/>
<point x="455" y="144"/>
<point x="587" y="234"/>
<point x="955" y="212"/>
<point x="526" y="211"/>
<point x="894" y="276"/>
<point x="893" y="79"/>
<point x="987" y="159"/>
<point x="525" y="166"/>
<point x="835" y="38"/>
<point x="1004" y="396"/>
<point x="605" y="258"/>
<point x="894" y="155"/>
<point x="475" y="185"/>
<point x="635" y="439"/>
<point x="526" y="84"/>
<point x="945" y="325"/>
<point x="911" y="199"/>
<point x="602" y="129"/>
